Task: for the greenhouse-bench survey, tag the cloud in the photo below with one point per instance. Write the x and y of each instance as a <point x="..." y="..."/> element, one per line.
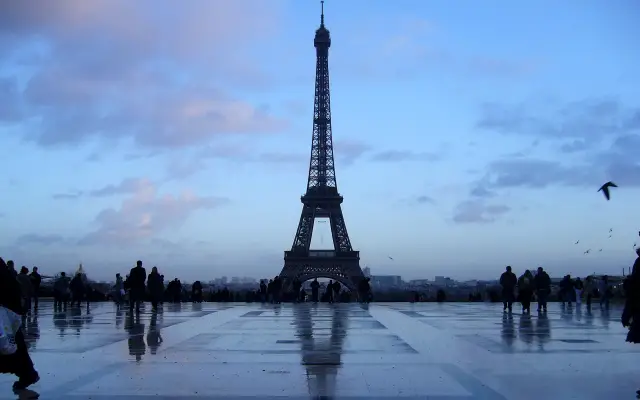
<point x="579" y="125"/>
<point x="149" y="71"/>
<point x="145" y="214"/>
<point x="126" y="186"/>
<point x="39" y="240"/>
<point x="425" y="200"/>
<point x="10" y="110"/>
<point x="404" y="155"/>
<point x="477" y="211"/>
<point x="68" y="196"/>
<point x="480" y="190"/>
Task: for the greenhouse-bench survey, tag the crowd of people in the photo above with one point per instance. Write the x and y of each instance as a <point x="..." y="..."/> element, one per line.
<point x="529" y="286"/>
<point x="137" y="287"/>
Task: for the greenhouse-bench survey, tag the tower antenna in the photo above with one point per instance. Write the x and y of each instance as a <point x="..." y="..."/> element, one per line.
<point x="322" y="12"/>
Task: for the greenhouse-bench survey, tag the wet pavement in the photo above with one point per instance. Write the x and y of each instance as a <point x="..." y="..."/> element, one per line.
<point x="451" y="351"/>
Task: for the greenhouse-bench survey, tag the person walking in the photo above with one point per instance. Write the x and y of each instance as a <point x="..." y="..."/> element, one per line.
<point x="36" y="280"/>
<point x="508" y="281"/>
<point x="137" y="286"/>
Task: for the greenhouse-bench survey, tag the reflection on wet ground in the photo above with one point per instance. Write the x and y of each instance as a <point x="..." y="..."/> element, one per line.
<point x="436" y="351"/>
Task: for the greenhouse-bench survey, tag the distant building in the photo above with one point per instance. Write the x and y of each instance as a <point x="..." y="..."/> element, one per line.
<point x="366" y="271"/>
<point x="443" y="281"/>
<point x="386" y="280"/>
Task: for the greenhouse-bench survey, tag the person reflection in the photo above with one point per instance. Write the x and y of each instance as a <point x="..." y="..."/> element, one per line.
<point x="542" y="330"/>
<point x="135" y="329"/>
<point x="119" y="317"/>
<point x="153" y="334"/>
<point x="32" y="331"/>
<point x="508" y="332"/>
<point x="321" y="354"/>
<point x="60" y="321"/>
<point x="525" y="329"/>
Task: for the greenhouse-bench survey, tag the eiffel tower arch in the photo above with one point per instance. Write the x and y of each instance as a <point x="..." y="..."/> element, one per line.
<point x="322" y="199"/>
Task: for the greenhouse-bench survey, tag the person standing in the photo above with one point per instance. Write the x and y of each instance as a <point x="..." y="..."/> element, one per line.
<point x="118" y="291"/>
<point x="315" y="286"/>
<point x="18" y="363"/>
<point x="508" y="281"/>
<point x="137" y="286"/>
<point x="156" y="287"/>
<point x="61" y="291"/>
<point x="77" y="289"/>
<point x="605" y="291"/>
<point x="578" y="286"/>
<point x="36" y="280"/>
<point x="26" y="289"/>
<point x="542" y="283"/>
<point x="588" y="291"/>
<point x="525" y="291"/>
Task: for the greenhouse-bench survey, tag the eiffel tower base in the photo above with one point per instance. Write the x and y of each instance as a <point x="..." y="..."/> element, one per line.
<point x="341" y="267"/>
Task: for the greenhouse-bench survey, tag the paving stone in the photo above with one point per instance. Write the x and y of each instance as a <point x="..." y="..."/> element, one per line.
<point x="445" y="351"/>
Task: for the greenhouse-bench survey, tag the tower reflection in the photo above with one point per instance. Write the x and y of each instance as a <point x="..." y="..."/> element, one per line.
<point x="321" y="332"/>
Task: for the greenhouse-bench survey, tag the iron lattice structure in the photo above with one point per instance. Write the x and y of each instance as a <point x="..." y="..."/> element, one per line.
<point x="322" y="199"/>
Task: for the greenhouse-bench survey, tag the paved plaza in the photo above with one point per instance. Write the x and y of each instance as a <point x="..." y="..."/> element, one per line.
<point x="432" y="351"/>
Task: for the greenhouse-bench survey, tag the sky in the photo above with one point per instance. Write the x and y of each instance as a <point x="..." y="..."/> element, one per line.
<point x="178" y="133"/>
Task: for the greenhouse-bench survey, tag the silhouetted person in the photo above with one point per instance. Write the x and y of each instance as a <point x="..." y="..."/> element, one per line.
<point x="196" y="292"/>
<point x="277" y="289"/>
<point x="297" y="285"/>
<point x="336" y="291"/>
<point x="263" y="291"/>
<point x="18" y="363"/>
<point x="302" y="296"/>
<point x="156" y="287"/>
<point x="176" y="291"/>
<point x="315" y="286"/>
<point x="118" y="290"/>
<point x="61" y="291"/>
<point x="36" y="281"/>
<point x="605" y="292"/>
<point x="137" y="279"/>
<point x="329" y="291"/>
<point x="525" y="290"/>
<point x="588" y="291"/>
<point x="566" y="290"/>
<point x="77" y="289"/>
<point x="578" y="288"/>
<point x="12" y="269"/>
<point x="631" y="314"/>
<point x="542" y="283"/>
<point x="508" y="281"/>
<point x="26" y="289"/>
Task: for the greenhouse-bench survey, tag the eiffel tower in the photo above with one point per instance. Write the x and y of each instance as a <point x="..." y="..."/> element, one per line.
<point x="322" y="199"/>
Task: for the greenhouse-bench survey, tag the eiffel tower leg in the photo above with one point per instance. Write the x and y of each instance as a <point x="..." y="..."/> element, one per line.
<point x="305" y="229"/>
<point x="341" y="242"/>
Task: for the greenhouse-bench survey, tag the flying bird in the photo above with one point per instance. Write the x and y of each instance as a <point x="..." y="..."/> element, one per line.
<point x="600" y="250"/>
<point x="605" y="189"/>
<point x="390" y="258"/>
<point x="634" y="245"/>
<point x="610" y="230"/>
<point x="609" y="236"/>
<point x="577" y="242"/>
<point x="587" y="252"/>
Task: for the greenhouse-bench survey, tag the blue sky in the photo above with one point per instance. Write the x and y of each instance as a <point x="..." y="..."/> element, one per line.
<point x="466" y="138"/>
